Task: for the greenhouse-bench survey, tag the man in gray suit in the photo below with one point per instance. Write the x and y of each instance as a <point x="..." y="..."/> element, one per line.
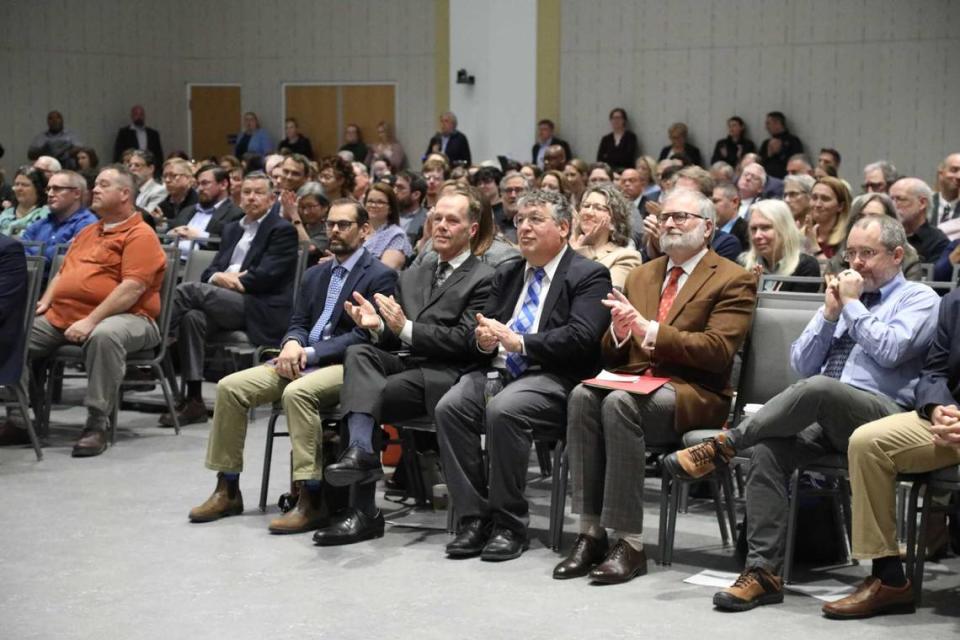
<point x="433" y="317"/>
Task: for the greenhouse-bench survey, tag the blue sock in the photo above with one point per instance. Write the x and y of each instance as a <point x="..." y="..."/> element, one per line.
<point x="361" y="431"/>
<point x="313" y="485"/>
<point x="230" y="476"/>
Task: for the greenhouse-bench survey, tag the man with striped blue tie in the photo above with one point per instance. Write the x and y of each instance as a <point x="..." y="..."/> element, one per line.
<point x="307" y="373"/>
<point x="539" y="334"/>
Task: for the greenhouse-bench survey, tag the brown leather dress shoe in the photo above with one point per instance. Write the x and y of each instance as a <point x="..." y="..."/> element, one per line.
<point x="872" y="598"/>
<point x="305" y="516"/>
<point x="92" y="442"/>
<point x="622" y="564"/>
<point x="754" y="587"/>
<point x="12" y="435"/>
<point x="190" y="412"/>
<point x="587" y="553"/>
<point x="226" y="500"/>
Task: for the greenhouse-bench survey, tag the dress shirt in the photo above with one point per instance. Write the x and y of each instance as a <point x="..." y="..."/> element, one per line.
<point x="543" y="150"/>
<point x="51" y="231"/>
<point x="406" y="333"/>
<point x="141" y="136"/>
<point x="500" y="361"/>
<point x="745" y="208"/>
<point x="200" y="220"/>
<point x="892" y="340"/>
<point x="347" y="264"/>
<point x="250" y="228"/>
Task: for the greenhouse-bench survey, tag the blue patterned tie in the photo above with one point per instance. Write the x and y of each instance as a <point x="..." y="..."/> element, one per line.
<point x="841" y="347"/>
<point x="517" y="362"/>
<point x="337" y="278"/>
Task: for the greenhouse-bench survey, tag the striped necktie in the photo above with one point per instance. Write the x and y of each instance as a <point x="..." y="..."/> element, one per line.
<point x="840" y="348"/>
<point x="517" y="362"/>
<point x="337" y="279"/>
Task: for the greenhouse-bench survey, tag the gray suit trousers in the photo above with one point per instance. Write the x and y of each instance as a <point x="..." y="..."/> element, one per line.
<point x="199" y="310"/>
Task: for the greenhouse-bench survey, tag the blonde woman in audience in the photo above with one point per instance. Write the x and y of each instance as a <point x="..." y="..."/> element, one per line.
<point x="776" y="247"/>
<point x="601" y="231"/>
<point x="29" y="186"/>
<point x="796" y="193"/>
<point x="388" y="242"/>
<point x="826" y="226"/>
<point x="387" y="148"/>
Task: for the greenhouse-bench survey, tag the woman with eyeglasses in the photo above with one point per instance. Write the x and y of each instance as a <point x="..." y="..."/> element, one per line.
<point x="796" y="193"/>
<point x="826" y="227"/>
<point x="388" y="242"/>
<point x="601" y="231"/>
<point x="30" y="189"/>
<point x="876" y="204"/>
<point x="776" y="247"/>
<point x="309" y="219"/>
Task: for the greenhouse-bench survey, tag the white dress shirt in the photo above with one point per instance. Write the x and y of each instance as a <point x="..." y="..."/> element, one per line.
<point x="250" y="228"/>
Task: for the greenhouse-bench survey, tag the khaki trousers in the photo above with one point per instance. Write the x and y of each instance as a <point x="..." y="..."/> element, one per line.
<point x="878" y="451"/>
<point x="240" y="391"/>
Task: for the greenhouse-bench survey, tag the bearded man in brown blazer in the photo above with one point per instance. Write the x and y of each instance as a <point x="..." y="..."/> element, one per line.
<point x="682" y="316"/>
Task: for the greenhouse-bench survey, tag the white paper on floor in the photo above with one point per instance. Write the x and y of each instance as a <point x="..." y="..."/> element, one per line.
<point x="826" y="590"/>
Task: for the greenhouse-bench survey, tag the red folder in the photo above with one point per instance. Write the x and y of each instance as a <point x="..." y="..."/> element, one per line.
<point x="643" y="386"/>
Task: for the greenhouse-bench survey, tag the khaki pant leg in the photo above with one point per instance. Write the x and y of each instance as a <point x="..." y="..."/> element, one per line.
<point x="300" y="401"/>
<point x="878" y="451"/>
<point x="236" y="394"/>
<point x="105" y="356"/>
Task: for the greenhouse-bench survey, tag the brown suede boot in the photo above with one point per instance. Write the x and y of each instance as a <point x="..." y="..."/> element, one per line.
<point x="305" y="516"/>
<point x="700" y="459"/>
<point x="226" y="500"/>
<point x="753" y="588"/>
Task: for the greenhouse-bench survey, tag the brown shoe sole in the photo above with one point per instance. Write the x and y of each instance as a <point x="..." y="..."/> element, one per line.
<point x="892" y="609"/>
<point x="730" y="603"/>
<point x="312" y="526"/>
<point x="167" y="423"/>
<point x="610" y="579"/>
<point x="218" y="516"/>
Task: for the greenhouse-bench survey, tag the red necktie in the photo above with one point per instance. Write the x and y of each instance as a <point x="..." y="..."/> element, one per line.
<point x="669" y="294"/>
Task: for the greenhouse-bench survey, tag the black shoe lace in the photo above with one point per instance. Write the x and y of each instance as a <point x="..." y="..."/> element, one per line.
<point x="703" y="453"/>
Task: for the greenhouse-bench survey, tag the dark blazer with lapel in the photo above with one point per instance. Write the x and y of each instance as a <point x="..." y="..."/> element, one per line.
<point x="225" y="213"/>
<point x="562" y="143"/>
<point x="696" y="343"/>
<point x="127" y="139"/>
<point x="458" y="148"/>
<point x="444" y="321"/>
<point x="13" y="297"/>
<point x="573" y="318"/>
<point x="940" y="379"/>
<point x="270" y="264"/>
<point x="368" y="277"/>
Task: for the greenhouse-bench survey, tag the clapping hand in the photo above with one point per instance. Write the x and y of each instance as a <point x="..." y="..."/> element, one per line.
<point x="363" y="313"/>
<point x="625" y="317"/>
<point x="391" y="311"/>
<point x="490" y="333"/>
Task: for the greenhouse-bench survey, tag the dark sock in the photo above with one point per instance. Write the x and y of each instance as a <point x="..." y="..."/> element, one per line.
<point x="312" y="485"/>
<point x="361" y="431"/>
<point x="194" y="389"/>
<point x="889" y="570"/>
<point x="365" y="498"/>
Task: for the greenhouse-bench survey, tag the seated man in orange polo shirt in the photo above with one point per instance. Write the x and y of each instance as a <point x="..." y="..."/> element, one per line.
<point x="105" y="299"/>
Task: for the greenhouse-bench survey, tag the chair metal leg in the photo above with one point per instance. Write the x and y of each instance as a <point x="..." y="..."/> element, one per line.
<point x="843" y="517"/>
<point x="414" y="474"/>
<point x="168" y="396"/>
<point x="24" y="403"/>
<point x="791" y="526"/>
<point x="543" y="458"/>
<point x="730" y="501"/>
<point x="912" y="530"/>
<point x="672" y="520"/>
<point x="717" y="493"/>
<point x="665" y="485"/>
<point x="47" y="400"/>
<point x="921" y="556"/>
<point x="268" y="457"/>
<point x="558" y="495"/>
<point x="684" y="497"/>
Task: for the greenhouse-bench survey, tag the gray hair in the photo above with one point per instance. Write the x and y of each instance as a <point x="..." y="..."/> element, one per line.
<point x="259" y="175"/>
<point x="47" y="163"/>
<point x="312" y="190"/>
<point x="559" y="205"/>
<point x="360" y="169"/>
<point x="76" y="180"/>
<point x="619" y="211"/>
<point x="791" y="242"/>
<point x="729" y="190"/>
<point x="860" y="202"/>
<point x="889" y="171"/>
<point x="917" y="188"/>
<point x="705" y="207"/>
<point x="802" y="181"/>
<point x="892" y="234"/>
<point x="527" y="184"/>
<point x="452" y="116"/>
<point x="723" y="168"/>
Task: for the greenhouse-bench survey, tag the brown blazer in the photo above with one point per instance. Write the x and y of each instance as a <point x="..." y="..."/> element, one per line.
<point x="695" y="346"/>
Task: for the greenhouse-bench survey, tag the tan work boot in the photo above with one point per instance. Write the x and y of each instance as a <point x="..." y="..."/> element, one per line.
<point x="700" y="459"/>
<point x="226" y="500"/>
<point x="305" y="516"/>
<point x="753" y="588"/>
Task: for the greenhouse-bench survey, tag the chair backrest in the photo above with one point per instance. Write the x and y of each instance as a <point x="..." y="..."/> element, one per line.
<point x="166" y="297"/>
<point x="35" y="244"/>
<point x="772" y="277"/>
<point x="58" y="259"/>
<point x="789" y="300"/>
<point x="197" y="263"/>
<point x="303" y="253"/>
<point x="766" y="369"/>
<point x="926" y="271"/>
<point x="35" y="267"/>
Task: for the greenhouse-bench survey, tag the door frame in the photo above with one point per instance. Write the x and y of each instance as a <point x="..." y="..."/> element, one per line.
<point x="190" y="86"/>
<point x="283" y="97"/>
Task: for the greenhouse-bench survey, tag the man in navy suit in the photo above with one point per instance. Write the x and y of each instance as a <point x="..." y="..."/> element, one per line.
<point x="137" y="135"/>
<point x="308" y="372"/>
<point x="248" y="287"/>
<point x="540" y="335"/>
<point x="433" y="317"/>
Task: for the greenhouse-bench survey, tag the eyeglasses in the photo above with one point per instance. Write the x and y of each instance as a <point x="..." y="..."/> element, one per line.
<point x="865" y="254"/>
<point x="53" y="188"/>
<point x="514" y="189"/>
<point x="377" y="203"/>
<point x="873" y="186"/>
<point x="594" y="206"/>
<point x="534" y="220"/>
<point x="170" y="177"/>
<point x="789" y="195"/>
<point x="341" y="225"/>
<point x="679" y="217"/>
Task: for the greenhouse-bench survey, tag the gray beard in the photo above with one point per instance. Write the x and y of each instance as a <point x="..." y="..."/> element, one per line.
<point x="688" y="241"/>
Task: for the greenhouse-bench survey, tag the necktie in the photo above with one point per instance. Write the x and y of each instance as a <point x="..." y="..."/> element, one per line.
<point x="946" y="213"/>
<point x="440" y="275"/>
<point x="517" y="362"/>
<point x="669" y="294"/>
<point x="841" y="347"/>
<point x="337" y="279"/>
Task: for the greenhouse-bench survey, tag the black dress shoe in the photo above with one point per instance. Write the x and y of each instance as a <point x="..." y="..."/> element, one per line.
<point x="354" y="465"/>
<point x="622" y="564"/>
<point x="504" y="544"/>
<point x="353" y="526"/>
<point x="474" y="533"/>
<point x="587" y="553"/>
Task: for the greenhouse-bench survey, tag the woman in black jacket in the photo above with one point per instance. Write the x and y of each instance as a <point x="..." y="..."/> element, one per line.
<point x="620" y="147"/>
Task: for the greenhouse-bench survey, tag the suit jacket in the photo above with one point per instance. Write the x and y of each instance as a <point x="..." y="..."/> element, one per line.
<point x="772" y="189"/>
<point x="741" y="233"/>
<point x="562" y="143"/>
<point x="269" y="264"/>
<point x="726" y="245"/>
<point x="458" y="148"/>
<point x="444" y="320"/>
<point x="696" y="343"/>
<point x="690" y="152"/>
<point x="573" y="318"/>
<point x="415" y="228"/>
<point x="127" y="139"/>
<point x="225" y="213"/>
<point x="13" y="298"/>
<point x="940" y="378"/>
<point x="622" y="155"/>
<point x="369" y="276"/>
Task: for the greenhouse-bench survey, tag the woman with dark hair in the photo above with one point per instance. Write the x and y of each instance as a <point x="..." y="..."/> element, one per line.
<point x="679" y="147"/>
<point x="294" y="141"/>
<point x="599" y="172"/>
<point x="601" y="231"/>
<point x="30" y="189"/>
<point x="736" y="145"/>
<point x="353" y="142"/>
<point x="85" y="158"/>
<point x="620" y="147"/>
<point x="388" y="243"/>
<point x="575" y="175"/>
<point x="337" y="178"/>
<point x="552" y="180"/>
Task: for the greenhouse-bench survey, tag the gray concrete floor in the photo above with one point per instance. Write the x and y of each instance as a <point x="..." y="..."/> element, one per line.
<point x="101" y="548"/>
